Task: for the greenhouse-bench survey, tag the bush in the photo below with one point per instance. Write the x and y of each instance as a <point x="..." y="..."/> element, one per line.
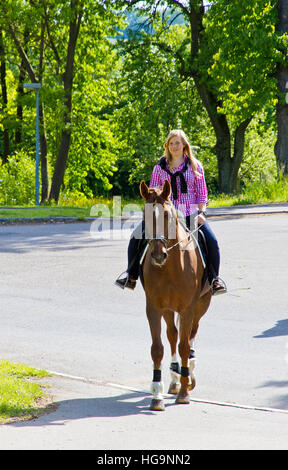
<point x="17" y="180"/>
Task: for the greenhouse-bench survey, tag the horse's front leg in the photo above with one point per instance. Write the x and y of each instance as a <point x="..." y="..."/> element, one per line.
<point x="184" y="351"/>
<point x="157" y="351"/>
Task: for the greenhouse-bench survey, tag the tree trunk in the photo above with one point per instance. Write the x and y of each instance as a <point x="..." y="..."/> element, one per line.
<point x="281" y="147"/>
<point x="228" y="165"/>
<point x="62" y="156"/>
<point x="43" y="137"/>
<point x="6" y="143"/>
<point x="43" y="154"/>
<point x="20" y="92"/>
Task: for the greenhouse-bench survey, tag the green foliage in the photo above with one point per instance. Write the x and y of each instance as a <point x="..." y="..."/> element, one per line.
<point x="255" y="192"/>
<point x="129" y="91"/>
<point x="259" y="163"/>
<point x="156" y="99"/>
<point x="17" y="180"/>
<point x="93" y="151"/>
<point x="242" y="48"/>
<point x="92" y="154"/>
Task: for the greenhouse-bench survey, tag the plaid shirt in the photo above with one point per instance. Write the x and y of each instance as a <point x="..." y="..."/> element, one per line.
<point x="188" y="202"/>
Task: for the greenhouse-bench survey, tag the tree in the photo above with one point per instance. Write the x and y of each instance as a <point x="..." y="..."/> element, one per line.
<point x="12" y="23"/>
<point x="96" y="143"/>
<point x="281" y="147"/>
<point x="75" y="18"/>
<point x="155" y="97"/>
<point x="6" y="145"/>
<point x="230" y="52"/>
<point x="48" y="56"/>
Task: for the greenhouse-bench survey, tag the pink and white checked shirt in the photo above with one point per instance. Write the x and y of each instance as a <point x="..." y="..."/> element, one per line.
<point x="188" y="202"/>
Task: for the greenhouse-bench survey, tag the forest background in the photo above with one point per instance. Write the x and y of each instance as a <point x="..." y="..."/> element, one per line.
<point x="117" y="76"/>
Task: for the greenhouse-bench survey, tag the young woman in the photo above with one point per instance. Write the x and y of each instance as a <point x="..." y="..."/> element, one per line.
<point x="189" y="194"/>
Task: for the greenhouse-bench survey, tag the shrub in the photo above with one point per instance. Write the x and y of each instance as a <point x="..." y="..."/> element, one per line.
<point x="17" y="180"/>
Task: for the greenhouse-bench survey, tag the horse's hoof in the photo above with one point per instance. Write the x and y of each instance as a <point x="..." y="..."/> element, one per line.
<point x="157" y="405"/>
<point x="174" y="389"/>
<point x="183" y="400"/>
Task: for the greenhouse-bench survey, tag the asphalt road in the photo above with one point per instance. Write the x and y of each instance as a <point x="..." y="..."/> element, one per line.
<point x="61" y="311"/>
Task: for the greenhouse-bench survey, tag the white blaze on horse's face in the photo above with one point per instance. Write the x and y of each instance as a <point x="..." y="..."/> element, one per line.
<point x="159" y="221"/>
<point x="156" y="213"/>
<point x="159" y="228"/>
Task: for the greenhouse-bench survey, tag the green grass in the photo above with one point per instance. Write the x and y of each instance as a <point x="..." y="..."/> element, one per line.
<point x="78" y="210"/>
<point x="35" y="212"/>
<point x="19" y="394"/>
<point x="254" y="193"/>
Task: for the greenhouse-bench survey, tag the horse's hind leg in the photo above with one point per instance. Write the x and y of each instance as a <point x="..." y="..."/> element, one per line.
<point x="172" y="335"/>
<point x="192" y="356"/>
<point x="201" y="308"/>
<point x="157" y="351"/>
<point x="184" y="351"/>
<point x="192" y="362"/>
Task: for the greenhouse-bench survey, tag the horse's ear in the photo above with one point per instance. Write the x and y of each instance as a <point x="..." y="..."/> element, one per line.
<point x="166" y="191"/>
<point x="144" y="190"/>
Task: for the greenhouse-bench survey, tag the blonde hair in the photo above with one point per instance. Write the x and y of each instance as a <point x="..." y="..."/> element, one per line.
<point x="187" y="149"/>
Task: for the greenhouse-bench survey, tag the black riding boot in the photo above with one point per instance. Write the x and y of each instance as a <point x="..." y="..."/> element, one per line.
<point x="134" y="254"/>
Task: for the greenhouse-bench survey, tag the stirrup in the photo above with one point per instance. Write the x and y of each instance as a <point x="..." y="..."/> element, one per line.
<point x="120" y="275"/>
<point x="221" y="290"/>
<point x="125" y="282"/>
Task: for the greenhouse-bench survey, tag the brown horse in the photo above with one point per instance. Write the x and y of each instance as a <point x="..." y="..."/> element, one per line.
<point x="171" y="277"/>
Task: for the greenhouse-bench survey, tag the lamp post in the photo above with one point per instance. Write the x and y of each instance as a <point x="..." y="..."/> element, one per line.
<point x="36" y="87"/>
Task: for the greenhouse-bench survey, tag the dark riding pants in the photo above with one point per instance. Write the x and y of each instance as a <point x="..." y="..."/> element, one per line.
<point x="134" y="251"/>
<point x="212" y="247"/>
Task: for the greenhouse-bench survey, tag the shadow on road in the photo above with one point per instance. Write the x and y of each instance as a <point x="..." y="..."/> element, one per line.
<point x="104" y="407"/>
<point x="280" y="402"/>
<point x="280" y="329"/>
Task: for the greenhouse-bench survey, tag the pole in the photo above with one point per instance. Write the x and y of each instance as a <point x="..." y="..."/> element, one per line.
<point x="37" y="151"/>
<point x="36" y="87"/>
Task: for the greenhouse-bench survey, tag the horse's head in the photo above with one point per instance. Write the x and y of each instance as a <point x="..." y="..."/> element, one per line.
<point x="160" y="220"/>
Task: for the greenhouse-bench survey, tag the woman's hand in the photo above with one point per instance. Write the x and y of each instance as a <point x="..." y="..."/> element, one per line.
<point x="201" y="219"/>
<point x="201" y="214"/>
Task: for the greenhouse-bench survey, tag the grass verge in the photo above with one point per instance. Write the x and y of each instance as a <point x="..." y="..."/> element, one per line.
<point x="20" y="396"/>
<point x="50" y="212"/>
<point x="254" y="193"/>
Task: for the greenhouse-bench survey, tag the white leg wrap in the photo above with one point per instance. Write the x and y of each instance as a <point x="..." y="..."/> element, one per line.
<point x="192" y="363"/>
<point x="157" y="388"/>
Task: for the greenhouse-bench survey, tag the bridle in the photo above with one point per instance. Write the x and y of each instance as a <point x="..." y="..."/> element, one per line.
<point x="165" y="240"/>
